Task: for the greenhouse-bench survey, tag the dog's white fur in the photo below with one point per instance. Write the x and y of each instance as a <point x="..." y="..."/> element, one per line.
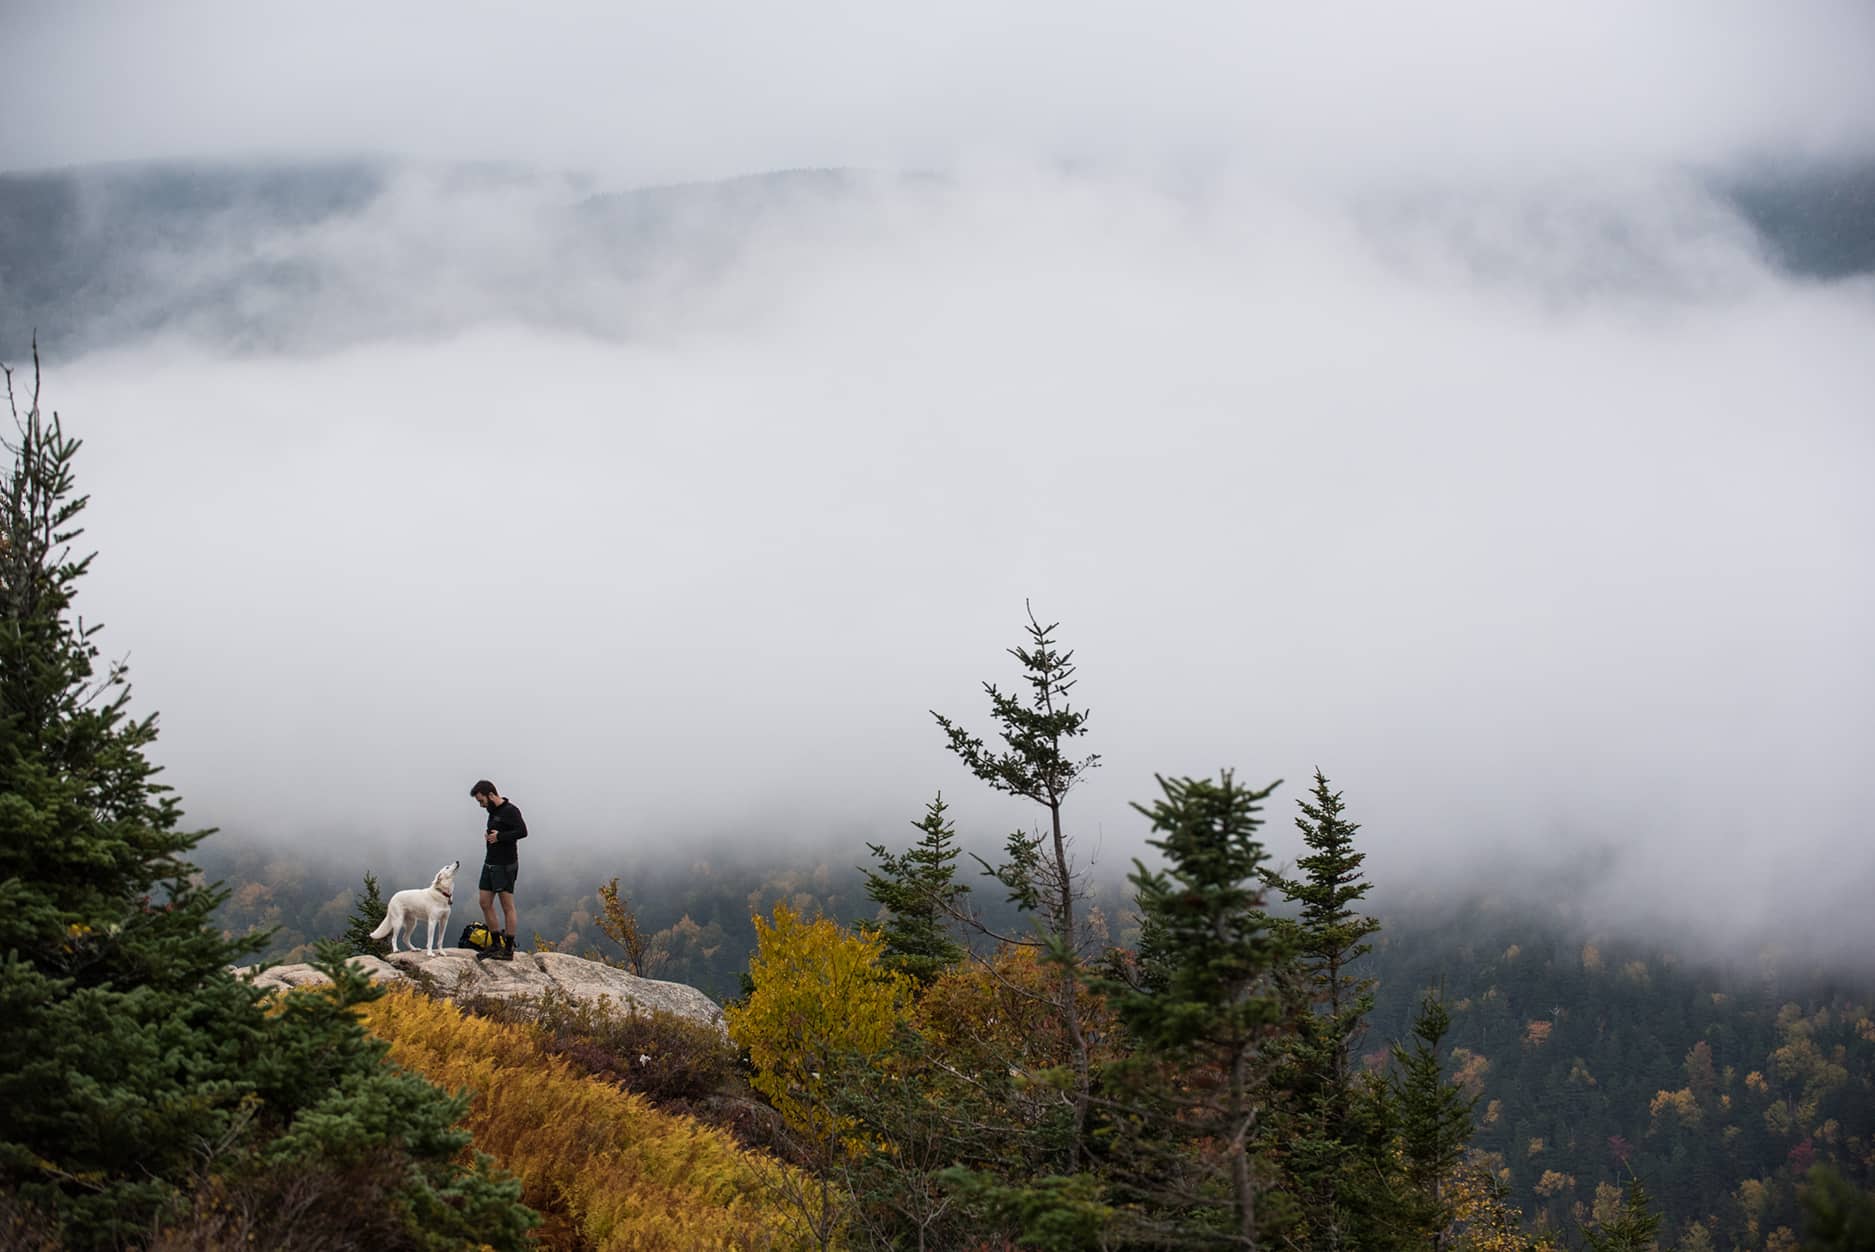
<point x="421" y="904"/>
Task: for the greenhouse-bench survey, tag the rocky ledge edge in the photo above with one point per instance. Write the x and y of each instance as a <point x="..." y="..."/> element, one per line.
<point x="457" y="974"/>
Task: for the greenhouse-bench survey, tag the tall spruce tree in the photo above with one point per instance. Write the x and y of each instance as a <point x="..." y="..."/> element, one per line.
<point x="1204" y="1029"/>
<point x="1435" y="1125"/>
<point x="1324" y="1138"/>
<point x="1035" y="763"/>
<point x="919" y="892"/>
<point x="142" y="1077"/>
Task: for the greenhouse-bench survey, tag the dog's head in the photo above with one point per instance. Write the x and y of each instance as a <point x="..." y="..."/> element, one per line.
<point x="446" y="876"/>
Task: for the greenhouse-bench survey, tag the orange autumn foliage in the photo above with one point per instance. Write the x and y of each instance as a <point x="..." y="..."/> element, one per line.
<point x="604" y="1168"/>
<point x="999" y="1012"/>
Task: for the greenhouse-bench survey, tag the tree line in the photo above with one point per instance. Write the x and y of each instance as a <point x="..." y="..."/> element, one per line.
<point x="1201" y="1087"/>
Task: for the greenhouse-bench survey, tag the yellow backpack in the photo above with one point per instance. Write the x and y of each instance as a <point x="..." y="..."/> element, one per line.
<point x="477" y="936"/>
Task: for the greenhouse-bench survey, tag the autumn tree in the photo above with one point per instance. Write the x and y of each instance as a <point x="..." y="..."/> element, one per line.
<point x="822" y="1001"/>
<point x="1035" y="762"/>
<point x="962" y="1122"/>
<point x="618" y="921"/>
<point x="1485" y="1220"/>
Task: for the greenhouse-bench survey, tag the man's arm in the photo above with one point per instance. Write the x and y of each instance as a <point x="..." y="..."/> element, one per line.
<point x="507" y="825"/>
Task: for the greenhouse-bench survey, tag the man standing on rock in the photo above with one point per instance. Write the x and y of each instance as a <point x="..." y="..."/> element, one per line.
<point x="500" y="864"/>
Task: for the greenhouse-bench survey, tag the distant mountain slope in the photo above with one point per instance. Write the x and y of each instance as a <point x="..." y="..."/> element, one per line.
<point x="315" y="255"/>
<point x="1593" y="1055"/>
<point x="320" y="255"/>
<point x="94" y="256"/>
<point x="1818" y="223"/>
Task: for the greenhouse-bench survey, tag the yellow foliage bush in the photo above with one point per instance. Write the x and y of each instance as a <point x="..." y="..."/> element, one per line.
<point x="605" y="1169"/>
<point x="820" y="995"/>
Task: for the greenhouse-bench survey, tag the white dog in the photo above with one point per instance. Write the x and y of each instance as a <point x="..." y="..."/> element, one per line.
<point x="421" y="904"/>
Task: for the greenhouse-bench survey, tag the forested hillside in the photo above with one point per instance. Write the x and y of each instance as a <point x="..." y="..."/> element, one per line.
<point x="1593" y="1056"/>
<point x="1716" y="1078"/>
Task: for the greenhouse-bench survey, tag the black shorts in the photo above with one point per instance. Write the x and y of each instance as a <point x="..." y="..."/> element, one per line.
<point x="499" y="877"/>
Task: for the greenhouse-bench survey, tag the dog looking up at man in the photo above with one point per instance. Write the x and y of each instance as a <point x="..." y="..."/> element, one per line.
<point x="421" y="904"/>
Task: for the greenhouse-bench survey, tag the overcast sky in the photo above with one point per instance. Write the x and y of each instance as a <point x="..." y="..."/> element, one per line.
<point x="1384" y="391"/>
<point x="706" y="89"/>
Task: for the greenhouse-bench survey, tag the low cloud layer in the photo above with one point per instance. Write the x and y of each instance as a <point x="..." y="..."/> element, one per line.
<point x="1519" y="485"/>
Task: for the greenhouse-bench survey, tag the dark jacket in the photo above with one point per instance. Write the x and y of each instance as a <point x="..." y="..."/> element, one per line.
<point x="505" y="820"/>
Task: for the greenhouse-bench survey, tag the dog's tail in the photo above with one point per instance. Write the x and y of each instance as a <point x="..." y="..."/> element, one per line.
<point x="384" y="927"/>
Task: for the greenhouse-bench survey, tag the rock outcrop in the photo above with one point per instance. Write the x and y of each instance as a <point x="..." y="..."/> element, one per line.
<point x="457" y="974"/>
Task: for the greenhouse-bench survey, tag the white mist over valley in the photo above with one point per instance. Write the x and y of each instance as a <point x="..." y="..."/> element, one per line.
<point x="1490" y="433"/>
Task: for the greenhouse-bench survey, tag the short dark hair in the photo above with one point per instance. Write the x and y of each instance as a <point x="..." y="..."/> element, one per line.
<point x="483" y="788"/>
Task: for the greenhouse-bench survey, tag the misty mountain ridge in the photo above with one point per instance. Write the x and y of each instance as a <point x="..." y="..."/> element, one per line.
<point x="706" y="897"/>
<point x="259" y="257"/>
<point x="297" y="256"/>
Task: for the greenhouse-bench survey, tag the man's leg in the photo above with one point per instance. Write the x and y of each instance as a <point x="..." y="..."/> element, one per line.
<point x="488" y="911"/>
<point x="507" y="916"/>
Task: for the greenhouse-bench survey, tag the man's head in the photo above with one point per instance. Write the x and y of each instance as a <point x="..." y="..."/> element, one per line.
<point x="484" y="793"/>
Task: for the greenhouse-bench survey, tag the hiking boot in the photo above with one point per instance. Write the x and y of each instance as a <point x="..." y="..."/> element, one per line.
<point x="504" y="949"/>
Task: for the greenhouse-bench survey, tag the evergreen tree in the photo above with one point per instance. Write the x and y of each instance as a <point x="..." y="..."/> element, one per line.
<point x="1434" y="1124"/>
<point x="142" y="1077"/>
<point x="1035" y="764"/>
<point x="919" y="891"/>
<point x="1837" y="1216"/>
<point x="367" y="913"/>
<point x="1633" y="1227"/>
<point x="1204" y="1034"/>
<point x="1321" y="1141"/>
